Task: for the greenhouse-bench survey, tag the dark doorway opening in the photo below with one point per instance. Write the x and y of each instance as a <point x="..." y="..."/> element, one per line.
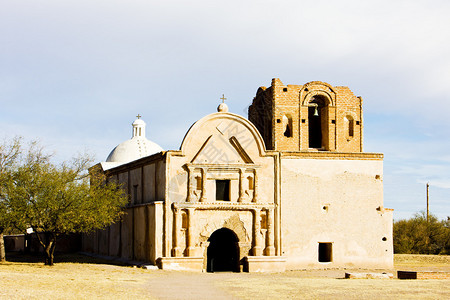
<point x="325" y="252"/>
<point x="223" y="251"/>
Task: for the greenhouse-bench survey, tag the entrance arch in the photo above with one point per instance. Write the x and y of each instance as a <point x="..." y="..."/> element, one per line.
<point x="223" y="251"/>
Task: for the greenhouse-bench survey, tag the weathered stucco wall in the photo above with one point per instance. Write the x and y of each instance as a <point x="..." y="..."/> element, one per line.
<point x="338" y="201"/>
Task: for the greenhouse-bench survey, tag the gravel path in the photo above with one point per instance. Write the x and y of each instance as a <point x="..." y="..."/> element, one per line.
<point x="187" y="285"/>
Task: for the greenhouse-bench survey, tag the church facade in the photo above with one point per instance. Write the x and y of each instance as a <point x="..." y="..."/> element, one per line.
<point x="288" y="188"/>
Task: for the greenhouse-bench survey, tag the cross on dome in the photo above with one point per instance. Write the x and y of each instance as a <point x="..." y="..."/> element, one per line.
<point x="222" y="106"/>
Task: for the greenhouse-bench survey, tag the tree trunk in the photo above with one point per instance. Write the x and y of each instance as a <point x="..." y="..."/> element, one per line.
<point x="49" y="247"/>
<point x="2" y="248"/>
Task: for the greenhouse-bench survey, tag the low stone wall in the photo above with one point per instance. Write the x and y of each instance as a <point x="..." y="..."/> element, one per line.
<point x="423" y="275"/>
<point x="369" y="275"/>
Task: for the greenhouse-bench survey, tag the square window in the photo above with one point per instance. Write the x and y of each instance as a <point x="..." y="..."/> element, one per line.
<point x="223" y="190"/>
<point x="325" y="252"/>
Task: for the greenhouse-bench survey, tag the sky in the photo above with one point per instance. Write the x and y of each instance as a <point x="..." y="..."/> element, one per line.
<point x="74" y="74"/>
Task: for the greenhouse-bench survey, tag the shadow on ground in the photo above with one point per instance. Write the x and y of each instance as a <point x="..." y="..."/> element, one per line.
<point x="79" y="258"/>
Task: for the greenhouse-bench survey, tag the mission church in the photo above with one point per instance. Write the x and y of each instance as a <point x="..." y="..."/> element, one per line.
<point x="288" y="188"/>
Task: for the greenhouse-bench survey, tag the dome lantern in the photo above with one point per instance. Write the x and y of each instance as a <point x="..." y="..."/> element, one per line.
<point x="138" y="128"/>
<point x="136" y="147"/>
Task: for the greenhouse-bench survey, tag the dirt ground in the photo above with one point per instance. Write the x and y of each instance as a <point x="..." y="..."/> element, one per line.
<point x="79" y="277"/>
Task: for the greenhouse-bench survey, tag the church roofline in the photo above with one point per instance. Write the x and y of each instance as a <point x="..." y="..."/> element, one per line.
<point x="225" y="115"/>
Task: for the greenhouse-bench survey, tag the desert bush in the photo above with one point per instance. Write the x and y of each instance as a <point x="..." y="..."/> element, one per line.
<point x="419" y="236"/>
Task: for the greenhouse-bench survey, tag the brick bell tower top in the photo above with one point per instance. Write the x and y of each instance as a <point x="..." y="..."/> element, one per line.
<point x="311" y="117"/>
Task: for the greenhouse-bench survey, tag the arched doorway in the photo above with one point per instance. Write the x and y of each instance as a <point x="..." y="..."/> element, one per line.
<point x="223" y="251"/>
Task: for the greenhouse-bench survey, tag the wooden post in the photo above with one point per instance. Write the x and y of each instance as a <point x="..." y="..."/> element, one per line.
<point x="428" y="201"/>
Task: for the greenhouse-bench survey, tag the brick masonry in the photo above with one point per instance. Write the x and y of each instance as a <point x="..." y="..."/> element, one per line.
<point x="280" y="106"/>
<point x="423" y="275"/>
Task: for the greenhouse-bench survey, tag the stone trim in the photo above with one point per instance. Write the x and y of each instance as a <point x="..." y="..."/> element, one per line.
<point x="332" y="155"/>
<point x="222" y="206"/>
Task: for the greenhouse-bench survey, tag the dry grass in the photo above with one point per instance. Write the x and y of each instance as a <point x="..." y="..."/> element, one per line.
<point x="86" y="278"/>
<point x="70" y="281"/>
<point x="416" y="261"/>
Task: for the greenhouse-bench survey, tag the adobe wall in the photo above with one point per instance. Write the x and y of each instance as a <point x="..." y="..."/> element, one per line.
<point x="338" y="199"/>
<point x="139" y="235"/>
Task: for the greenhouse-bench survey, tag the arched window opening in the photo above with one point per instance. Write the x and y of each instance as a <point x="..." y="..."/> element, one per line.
<point x="287" y="124"/>
<point x="351" y="127"/>
<point x="350" y="123"/>
<point x="315" y="115"/>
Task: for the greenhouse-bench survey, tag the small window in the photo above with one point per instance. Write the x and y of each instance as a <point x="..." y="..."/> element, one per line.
<point x="325" y="252"/>
<point x="223" y="190"/>
<point x="284" y="89"/>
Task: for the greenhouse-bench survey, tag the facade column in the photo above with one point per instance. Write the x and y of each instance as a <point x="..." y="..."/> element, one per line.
<point x="190" y="233"/>
<point x="241" y="184"/>
<point x="270" y="249"/>
<point x="203" y="197"/>
<point x="176" y="250"/>
<point x="257" y="249"/>
<point x="191" y="185"/>
<point x="255" y="187"/>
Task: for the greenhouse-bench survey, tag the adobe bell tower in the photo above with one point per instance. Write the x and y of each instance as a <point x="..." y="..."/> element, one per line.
<point x="311" y="117"/>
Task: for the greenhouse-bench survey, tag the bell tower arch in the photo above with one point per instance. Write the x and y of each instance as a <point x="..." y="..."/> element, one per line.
<point x="311" y="117"/>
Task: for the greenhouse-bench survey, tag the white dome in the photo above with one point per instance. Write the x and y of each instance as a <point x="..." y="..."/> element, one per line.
<point x="133" y="149"/>
<point x="136" y="147"/>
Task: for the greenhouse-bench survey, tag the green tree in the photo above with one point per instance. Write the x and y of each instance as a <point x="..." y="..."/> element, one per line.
<point x="60" y="199"/>
<point x="9" y="156"/>
<point x="419" y="236"/>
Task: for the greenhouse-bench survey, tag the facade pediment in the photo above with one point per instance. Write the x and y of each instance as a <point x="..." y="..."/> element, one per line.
<point x="222" y="138"/>
<point x="217" y="149"/>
